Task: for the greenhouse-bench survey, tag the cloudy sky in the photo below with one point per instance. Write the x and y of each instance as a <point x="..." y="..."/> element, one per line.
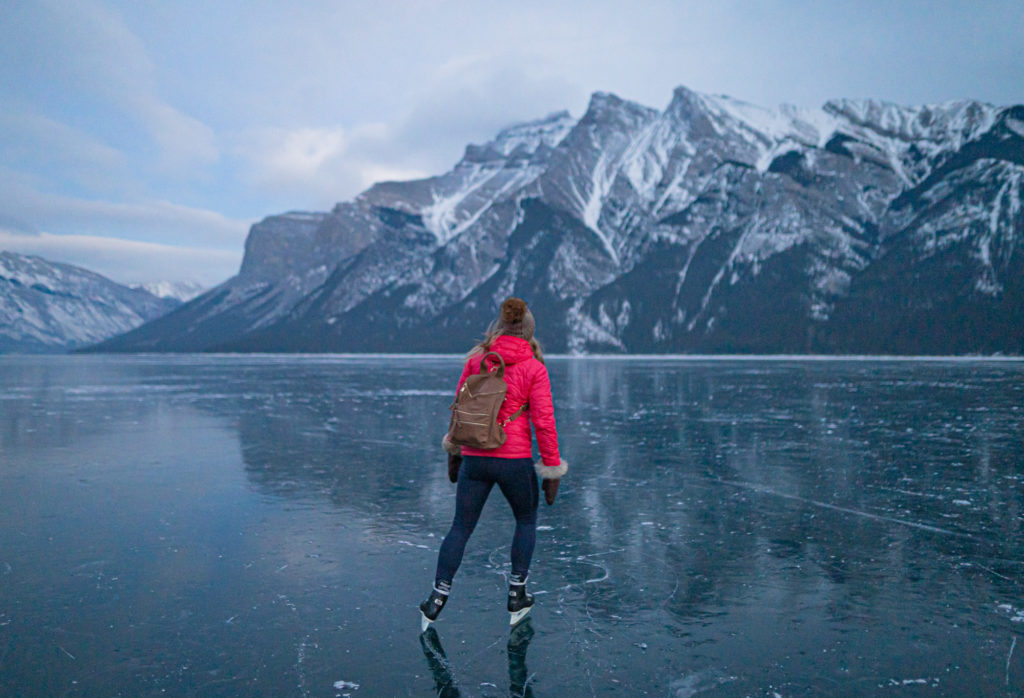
<point x="142" y="139"/>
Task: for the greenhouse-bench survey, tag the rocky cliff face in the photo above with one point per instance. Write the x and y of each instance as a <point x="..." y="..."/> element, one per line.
<point x="50" y="307"/>
<point x="711" y="226"/>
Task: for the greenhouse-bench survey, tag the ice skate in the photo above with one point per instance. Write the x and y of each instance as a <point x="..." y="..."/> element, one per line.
<point x="431" y="608"/>
<point x="519" y="602"/>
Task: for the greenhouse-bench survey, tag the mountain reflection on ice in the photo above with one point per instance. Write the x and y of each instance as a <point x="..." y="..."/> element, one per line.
<point x="266" y="526"/>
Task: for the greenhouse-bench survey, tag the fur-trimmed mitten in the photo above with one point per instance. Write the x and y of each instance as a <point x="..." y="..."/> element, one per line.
<point x="550" y="486"/>
<point x="449" y="447"/>
<point x="551" y="475"/>
<point x="454" y="452"/>
<point x="454" y="462"/>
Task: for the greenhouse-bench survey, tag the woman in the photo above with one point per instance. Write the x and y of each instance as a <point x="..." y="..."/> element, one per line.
<point x="510" y="466"/>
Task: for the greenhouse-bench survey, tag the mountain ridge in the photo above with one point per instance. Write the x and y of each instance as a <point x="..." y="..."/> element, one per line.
<point x="711" y="226"/>
<point x="49" y="306"/>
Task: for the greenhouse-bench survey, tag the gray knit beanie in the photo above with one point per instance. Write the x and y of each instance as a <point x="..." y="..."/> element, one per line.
<point x="516" y="320"/>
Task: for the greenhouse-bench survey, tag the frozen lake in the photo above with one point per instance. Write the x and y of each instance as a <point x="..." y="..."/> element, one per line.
<point x="266" y="526"/>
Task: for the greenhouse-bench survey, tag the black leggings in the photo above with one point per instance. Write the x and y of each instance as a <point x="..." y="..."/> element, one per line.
<point x="478" y="474"/>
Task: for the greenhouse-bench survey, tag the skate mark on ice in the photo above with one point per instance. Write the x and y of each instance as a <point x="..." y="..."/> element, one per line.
<point x="664" y="604"/>
<point x="982" y="567"/>
<point x="1008" y="657"/>
<point x="846" y="510"/>
<point x="583" y="559"/>
<point x="413" y="545"/>
<point x="299" y="661"/>
<point x="474" y="657"/>
<point x="598" y="565"/>
<point x="1016" y="615"/>
<point x="702" y="681"/>
<point x="607" y="552"/>
<point x="893" y="683"/>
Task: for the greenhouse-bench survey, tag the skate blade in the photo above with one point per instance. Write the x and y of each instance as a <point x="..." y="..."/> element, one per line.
<point x="516" y="616"/>
<point x="424" y="622"/>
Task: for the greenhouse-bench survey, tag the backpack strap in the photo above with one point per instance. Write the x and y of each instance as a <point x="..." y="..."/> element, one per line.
<point x="515" y="415"/>
<point x="501" y="374"/>
<point x="501" y="363"/>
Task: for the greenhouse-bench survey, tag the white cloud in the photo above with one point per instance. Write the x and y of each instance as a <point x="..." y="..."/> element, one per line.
<point x="130" y="120"/>
<point x="128" y="261"/>
<point x="14" y="225"/>
<point x="92" y="60"/>
<point x="296" y="156"/>
<point x="467" y="99"/>
<point x="184" y="142"/>
<point x="371" y="173"/>
<point x="320" y="166"/>
<point x="37" y="139"/>
<point x="139" y="219"/>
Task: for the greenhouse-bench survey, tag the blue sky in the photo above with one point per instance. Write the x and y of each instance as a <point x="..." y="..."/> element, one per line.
<point x="142" y="139"/>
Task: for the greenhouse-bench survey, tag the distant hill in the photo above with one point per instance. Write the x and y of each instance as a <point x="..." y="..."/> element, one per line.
<point x="710" y="226"/>
<point x="52" y="307"/>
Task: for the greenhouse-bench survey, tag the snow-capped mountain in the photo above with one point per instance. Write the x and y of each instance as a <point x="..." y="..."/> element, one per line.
<point x="710" y="226"/>
<point x="51" y="307"/>
<point x="177" y="290"/>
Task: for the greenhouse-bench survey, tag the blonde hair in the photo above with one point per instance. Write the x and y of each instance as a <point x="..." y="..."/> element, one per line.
<point x="492" y="333"/>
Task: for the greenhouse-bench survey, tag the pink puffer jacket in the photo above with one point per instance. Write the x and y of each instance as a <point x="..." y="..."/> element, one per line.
<point x="528" y="383"/>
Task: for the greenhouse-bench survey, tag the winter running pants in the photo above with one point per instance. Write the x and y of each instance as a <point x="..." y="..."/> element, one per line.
<point x="478" y="474"/>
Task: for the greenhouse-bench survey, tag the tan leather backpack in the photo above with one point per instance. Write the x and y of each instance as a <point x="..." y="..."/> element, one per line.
<point x="474" y="420"/>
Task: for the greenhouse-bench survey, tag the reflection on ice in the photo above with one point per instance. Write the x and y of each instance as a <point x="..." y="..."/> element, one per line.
<point x="267" y="525"/>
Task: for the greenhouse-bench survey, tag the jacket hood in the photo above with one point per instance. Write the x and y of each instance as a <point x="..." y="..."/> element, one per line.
<point x="513" y="350"/>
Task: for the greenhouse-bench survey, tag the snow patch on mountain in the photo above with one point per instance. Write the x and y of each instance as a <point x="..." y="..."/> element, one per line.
<point x="490" y="173"/>
<point x="528" y="136"/>
<point x="178" y="290"/>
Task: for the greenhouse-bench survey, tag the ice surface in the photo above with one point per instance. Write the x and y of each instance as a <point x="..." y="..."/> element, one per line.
<point x="267" y="525"/>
